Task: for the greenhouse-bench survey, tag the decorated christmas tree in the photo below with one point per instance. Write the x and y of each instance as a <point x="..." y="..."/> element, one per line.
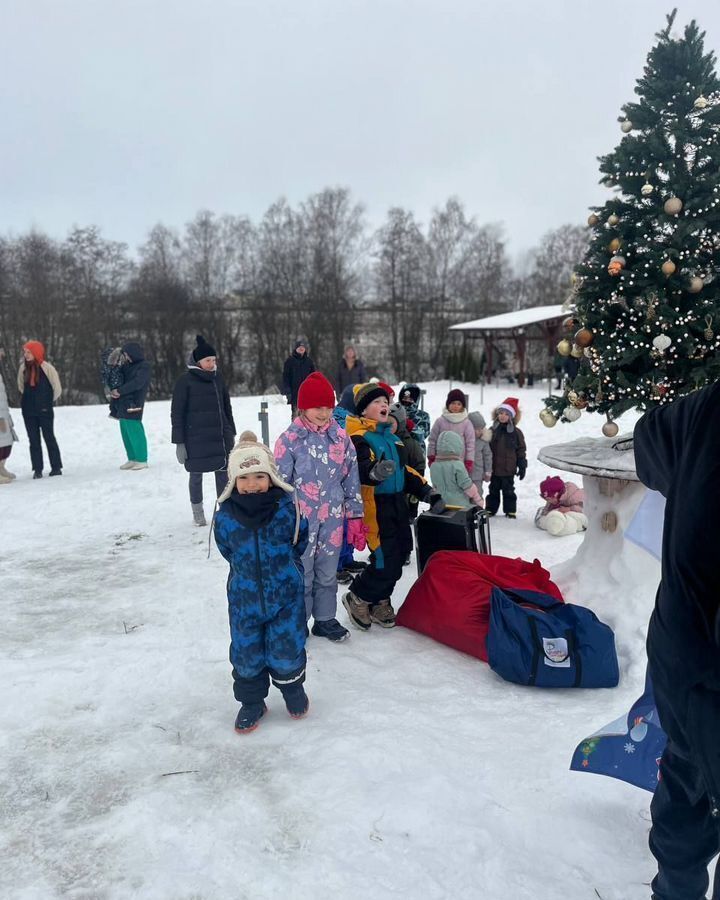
<point x="647" y="324"/>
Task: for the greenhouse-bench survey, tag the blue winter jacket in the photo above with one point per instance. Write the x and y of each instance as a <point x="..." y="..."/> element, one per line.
<point x="266" y="573"/>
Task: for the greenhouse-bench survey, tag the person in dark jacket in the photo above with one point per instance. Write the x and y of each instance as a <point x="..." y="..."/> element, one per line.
<point x="203" y="429"/>
<point x="131" y="403"/>
<point x="676" y="453"/>
<point x="351" y="371"/>
<point x="259" y="531"/>
<point x="39" y="386"/>
<point x="509" y="457"/>
<point x="296" y="369"/>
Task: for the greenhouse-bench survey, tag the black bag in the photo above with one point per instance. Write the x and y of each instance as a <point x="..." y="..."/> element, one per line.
<point x="455" y="529"/>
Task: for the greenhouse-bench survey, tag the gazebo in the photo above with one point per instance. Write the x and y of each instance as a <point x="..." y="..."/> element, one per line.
<point x="538" y="323"/>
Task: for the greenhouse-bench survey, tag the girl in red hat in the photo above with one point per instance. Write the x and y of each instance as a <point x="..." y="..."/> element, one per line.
<point x="509" y="458"/>
<point x="318" y="459"/>
<point x="39" y="386"/>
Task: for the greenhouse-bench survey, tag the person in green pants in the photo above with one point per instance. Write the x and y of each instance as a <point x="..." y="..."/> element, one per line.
<point x="130" y="397"/>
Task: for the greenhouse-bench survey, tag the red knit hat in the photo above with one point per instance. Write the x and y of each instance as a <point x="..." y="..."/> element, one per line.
<point x="316" y="390"/>
<point x="37" y="349"/>
<point x="386" y="386"/>
<point x="510" y="405"/>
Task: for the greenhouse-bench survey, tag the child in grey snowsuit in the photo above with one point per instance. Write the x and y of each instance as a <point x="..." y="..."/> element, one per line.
<point x="482" y="468"/>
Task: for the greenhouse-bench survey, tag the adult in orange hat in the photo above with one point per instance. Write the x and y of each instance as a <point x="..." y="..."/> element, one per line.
<point x="40" y="388"/>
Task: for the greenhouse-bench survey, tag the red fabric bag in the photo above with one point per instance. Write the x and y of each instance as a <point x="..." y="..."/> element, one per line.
<point x="450" y="601"/>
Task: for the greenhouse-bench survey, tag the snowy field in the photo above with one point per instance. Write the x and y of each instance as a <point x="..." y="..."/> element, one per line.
<point x="417" y="774"/>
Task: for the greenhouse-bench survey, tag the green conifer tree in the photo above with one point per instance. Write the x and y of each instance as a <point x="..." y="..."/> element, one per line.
<point x="647" y="326"/>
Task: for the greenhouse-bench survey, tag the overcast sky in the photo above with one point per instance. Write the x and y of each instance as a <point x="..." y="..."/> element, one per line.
<point x="123" y="113"/>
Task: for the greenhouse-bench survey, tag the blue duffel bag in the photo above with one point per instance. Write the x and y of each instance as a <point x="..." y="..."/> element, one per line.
<point x="536" y="640"/>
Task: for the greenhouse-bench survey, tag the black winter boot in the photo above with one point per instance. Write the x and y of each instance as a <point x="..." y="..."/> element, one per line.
<point x="330" y="629"/>
<point x="296" y="701"/>
<point x="249" y="717"/>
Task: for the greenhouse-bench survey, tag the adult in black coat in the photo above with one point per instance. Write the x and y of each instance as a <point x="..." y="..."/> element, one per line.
<point x="296" y="369"/>
<point x="676" y="453"/>
<point x="130" y="405"/>
<point x="351" y="370"/>
<point x="203" y="428"/>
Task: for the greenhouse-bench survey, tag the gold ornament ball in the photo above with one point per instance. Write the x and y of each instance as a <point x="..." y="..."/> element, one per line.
<point x="576" y="352"/>
<point x="583" y="337"/>
<point x="700" y="103"/>
<point x="673" y="206"/>
<point x="614" y="245"/>
<point x="592" y="219"/>
<point x="613" y="219"/>
<point x="564" y="347"/>
<point x="696" y="285"/>
<point x="668" y="267"/>
<point x="569" y="323"/>
<point x="610" y="429"/>
<point x="548" y="418"/>
<point x="572" y="396"/>
<point x="646" y="190"/>
<point x="626" y="126"/>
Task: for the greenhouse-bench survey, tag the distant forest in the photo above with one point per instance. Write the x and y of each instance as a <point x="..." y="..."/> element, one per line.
<point x="315" y="270"/>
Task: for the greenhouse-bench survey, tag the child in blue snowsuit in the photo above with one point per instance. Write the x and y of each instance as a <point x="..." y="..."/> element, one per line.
<point x="259" y="531"/>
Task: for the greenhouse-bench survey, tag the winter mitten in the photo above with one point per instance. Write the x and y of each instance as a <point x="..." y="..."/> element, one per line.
<point x="521" y="468"/>
<point x="181" y="453"/>
<point x="437" y="504"/>
<point x="382" y="470"/>
<point x="356" y="531"/>
<point x="469" y="466"/>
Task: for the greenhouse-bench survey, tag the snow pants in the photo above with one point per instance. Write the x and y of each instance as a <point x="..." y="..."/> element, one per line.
<point x="685" y="834"/>
<point x="378" y="581"/>
<point x="133" y="435"/>
<point x="44" y="424"/>
<point x="347" y="551"/>
<point x="320" y="564"/>
<point x="504" y="484"/>
<point x="266" y="645"/>
<point x="195" y="483"/>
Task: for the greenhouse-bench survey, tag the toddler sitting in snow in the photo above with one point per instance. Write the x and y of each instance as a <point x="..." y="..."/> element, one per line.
<point x="449" y="476"/>
<point x="563" y="510"/>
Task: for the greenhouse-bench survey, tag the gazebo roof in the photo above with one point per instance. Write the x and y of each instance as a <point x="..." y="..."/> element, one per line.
<point x="517" y="319"/>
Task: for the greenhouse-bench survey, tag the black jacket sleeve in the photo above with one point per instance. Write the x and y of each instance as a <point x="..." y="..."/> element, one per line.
<point x="227" y="407"/>
<point x="662" y="433"/>
<point x="178" y="409"/>
<point x="366" y="460"/>
<point x="140" y="379"/>
<point x="286" y="387"/>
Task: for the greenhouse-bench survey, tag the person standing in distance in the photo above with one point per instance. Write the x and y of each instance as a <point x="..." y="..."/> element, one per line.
<point x="40" y="388"/>
<point x="296" y="369"/>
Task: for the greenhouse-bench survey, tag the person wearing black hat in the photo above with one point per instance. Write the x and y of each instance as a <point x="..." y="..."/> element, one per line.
<point x="203" y="429"/>
<point x="296" y="369"/>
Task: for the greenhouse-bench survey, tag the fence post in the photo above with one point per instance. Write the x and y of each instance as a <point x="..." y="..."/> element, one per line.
<point x="264" y="419"/>
<point x="422" y="398"/>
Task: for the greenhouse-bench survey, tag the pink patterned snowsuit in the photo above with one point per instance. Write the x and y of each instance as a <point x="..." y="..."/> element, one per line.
<point x="321" y="463"/>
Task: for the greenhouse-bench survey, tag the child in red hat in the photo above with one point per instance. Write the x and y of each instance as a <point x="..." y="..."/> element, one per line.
<point x="509" y="454"/>
<point x="318" y="459"/>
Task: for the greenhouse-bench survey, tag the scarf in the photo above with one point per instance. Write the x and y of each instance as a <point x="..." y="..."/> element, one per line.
<point x="309" y="426"/>
<point x="255" y="510"/>
<point x="455" y="418"/>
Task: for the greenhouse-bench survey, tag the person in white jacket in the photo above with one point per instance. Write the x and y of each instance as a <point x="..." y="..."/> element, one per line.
<point x="7" y="434"/>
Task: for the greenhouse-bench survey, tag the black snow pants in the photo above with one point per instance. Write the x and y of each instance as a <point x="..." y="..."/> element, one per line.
<point x="378" y="581"/>
<point x="34" y="425"/>
<point x="506" y="485"/>
<point x="685" y="833"/>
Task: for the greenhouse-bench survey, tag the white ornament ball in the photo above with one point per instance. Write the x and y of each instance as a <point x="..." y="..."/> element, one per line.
<point x="661" y="342"/>
<point x="646" y="190"/>
<point x="626" y="126"/>
<point x="700" y="103"/>
<point x="610" y="429"/>
<point x="673" y="206"/>
<point x="571" y="413"/>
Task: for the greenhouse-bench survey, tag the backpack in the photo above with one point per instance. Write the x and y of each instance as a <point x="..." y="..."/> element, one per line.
<point x="535" y="640"/>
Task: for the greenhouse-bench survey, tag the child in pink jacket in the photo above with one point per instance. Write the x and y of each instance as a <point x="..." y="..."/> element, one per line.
<point x="454" y="418"/>
<point x="563" y="511"/>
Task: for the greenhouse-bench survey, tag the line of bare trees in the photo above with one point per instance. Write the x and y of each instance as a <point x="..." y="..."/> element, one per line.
<point x="314" y="270"/>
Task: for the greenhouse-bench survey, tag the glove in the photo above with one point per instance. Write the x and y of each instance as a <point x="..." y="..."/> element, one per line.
<point x="469" y="466"/>
<point x="181" y="453"/>
<point x="437" y="504"/>
<point x="487" y="476"/>
<point x="521" y="468"/>
<point x="382" y="470"/>
<point x="431" y="460"/>
<point x="356" y="531"/>
<point x="410" y="425"/>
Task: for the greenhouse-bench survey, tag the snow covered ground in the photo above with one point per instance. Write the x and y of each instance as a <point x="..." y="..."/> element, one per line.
<point x="417" y="774"/>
